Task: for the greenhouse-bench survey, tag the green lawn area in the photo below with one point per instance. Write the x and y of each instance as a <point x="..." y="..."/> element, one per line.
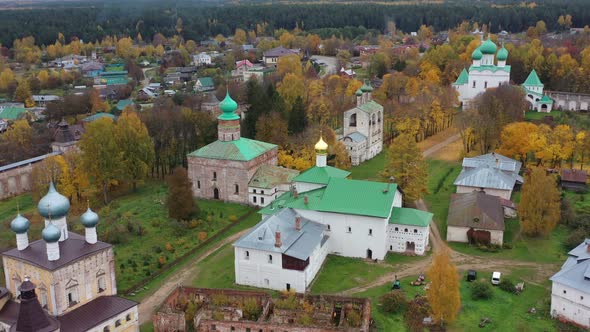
<point x="580" y="202"/>
<point x="370" y="169"/>
<point x="441" y="175"/>
<point x="534" y="115"/>
<point x="508" y="312"/>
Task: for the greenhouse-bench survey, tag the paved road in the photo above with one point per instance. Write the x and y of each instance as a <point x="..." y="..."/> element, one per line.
<point x="329" y="61"/>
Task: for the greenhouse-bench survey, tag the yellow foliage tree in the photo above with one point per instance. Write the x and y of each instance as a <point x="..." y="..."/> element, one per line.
<point x="539" y="210"/>
<point x="6" y="79"/>
<point x="290" y="88"/>
<point x="408" y="168"/>
<point x="443" y="294"/>
<point x="289" y="64"/>
<point x="125" y="48"/>
<point x="518" y="139"/>
<point x="240" y="37"/>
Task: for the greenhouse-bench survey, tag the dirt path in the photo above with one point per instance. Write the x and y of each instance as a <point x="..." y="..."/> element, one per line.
<point x="182" y="276"/>
<point x="440" y="145"/>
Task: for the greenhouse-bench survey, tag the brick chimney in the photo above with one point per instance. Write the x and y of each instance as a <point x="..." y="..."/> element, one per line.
<point x="305" y="200"/>
<point x="588" y="247"/>
<point x="298" y="223"/>
<point x="295" y="193"/>
<point x="278" y="242"/>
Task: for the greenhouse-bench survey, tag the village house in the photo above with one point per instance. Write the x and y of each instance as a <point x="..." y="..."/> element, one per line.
<point x="201" y="59"/>
<point x="573" y="179"/>
<point x="268" y="183"/>
<point x="363" y="127"/>
<point x="493" y="173"/>
<point x="204" y="84"/>
<point x="570" y="289"/>
<point x="475" y="218"/>
<point x="326" y="213"/>
<point x="271" y="57"/>
<point x="91" y="69"/>
<point x="64" y="281"/>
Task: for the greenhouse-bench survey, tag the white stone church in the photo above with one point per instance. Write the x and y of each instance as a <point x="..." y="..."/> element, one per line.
<point x="326" y="213"/>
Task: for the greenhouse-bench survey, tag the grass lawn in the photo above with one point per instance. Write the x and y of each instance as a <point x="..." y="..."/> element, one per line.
<point x="508" y="312"/>
<point x="370" y="169"/>
<point x="534" y="115"/>
<point x="342" y="273"/>
<point x="441" y="176"/>
<point x="580" y="202"/>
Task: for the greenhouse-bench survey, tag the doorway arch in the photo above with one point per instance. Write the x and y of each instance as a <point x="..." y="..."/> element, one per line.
<point x="215" y="193"/>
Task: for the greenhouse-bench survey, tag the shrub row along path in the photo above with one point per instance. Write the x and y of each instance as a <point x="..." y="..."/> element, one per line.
<point x="463" y="261"/>
<point x="182" y="276"/>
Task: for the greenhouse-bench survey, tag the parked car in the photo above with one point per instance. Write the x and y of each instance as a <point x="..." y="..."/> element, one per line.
<point x="496" y="278"/>
<point x="471" y="275"/>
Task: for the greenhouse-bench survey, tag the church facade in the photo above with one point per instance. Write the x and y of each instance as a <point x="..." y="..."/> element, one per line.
<point x="224" y="169"/>
<point x="363" y="127"/>
<point x="69" y="278"/>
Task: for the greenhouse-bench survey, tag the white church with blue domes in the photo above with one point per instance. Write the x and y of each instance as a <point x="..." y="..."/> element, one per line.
<point x="488" y="70"/>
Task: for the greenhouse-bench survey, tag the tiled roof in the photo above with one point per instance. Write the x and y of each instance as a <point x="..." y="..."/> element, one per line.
<point x="533" y="79"/>
<point x="243" y="149"/>
<point x="477" y="210"/>
<point x="70" y="250"/>
<point x="463" y="78"/>
<point x="295" y="243"/>
<point x="94" y="313"/>
<point x="411" y="217"/>
<point x="357" y="197"/>
<point x="321" y="175"/>
<point x="99" y="115"/>
<point x="268" y="176"/>
<point x="575" y="272"/>
<point x="493" y="69"/>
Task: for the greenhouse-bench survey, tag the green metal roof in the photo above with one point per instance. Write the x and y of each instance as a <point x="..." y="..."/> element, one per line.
<point x="533" y="92"/>
<point x="206" y="81"/>
<point x="546" y="99"/>
<point x="268" y="176"/>
<point x="488" y="47"/>
<point x="99" y="115"/>
<point x="370" y="107"/>
<point x="12" y="113"/>
<point x="314" y="198"/>
<point x="476" y="55"/>
<point x="493" y="69"/>
<point x="463" y="78"/>
<point x="502" y="54"/>
<point x="321" y="175"/>
<point x="533" y="79"/>
<point x="124" y="103"/>
<point x="358" y="197"/>
<point x="411" y="217"/>
<point x="114" y="73"/>
<point x="243" y="149"/>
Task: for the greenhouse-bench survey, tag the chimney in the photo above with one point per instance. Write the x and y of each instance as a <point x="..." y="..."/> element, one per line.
<point x="588" y="247"/>
<point x="298" y="223"/>
<point x="295" y="193"/>
<point x="305" y="199"/>
<point x="278" y="242"/>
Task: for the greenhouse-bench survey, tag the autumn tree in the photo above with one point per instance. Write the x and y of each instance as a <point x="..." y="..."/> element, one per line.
<point x="289" y="64"/>
<point x="135" y="147"/>
<point x="240" y="37"/>
<point x="518" y="139"/>
<point x="20" y="134"/>
<point x="272" y="128"/>
<point x="101" y="154"/>
<point x="6" y="79"/>
<point x="407" y="166"/>
<point x="341" y="155"/>
<point x="23" y="93"/>
<point x="180" y="202"/>
<point x="125" y="48"/>
<point x="539" y="208"/>
<point x="443" y="293"/>
<point x="297" y="119"/>
<point x="291" y="88"/>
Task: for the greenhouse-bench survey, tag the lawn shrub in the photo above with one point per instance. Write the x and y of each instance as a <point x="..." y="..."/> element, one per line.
<point x="481" y="290"/>
<point x="394" y="301"/>
<point x="507" y="285"/>
<point x="233" y="218"/>
<point x="417" y="310"/>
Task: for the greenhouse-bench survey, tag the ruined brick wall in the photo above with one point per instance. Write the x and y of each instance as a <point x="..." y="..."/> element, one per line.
<point x="169" y="321"/>
<point x="15" y="181"/>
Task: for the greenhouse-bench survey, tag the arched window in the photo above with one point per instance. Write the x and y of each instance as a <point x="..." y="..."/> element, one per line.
<point x="397" y="229"/>
<point x="72" y="292"/>
<point x="373" y="119"/>
<point x="406" y="230"/>
<point x="106" y="329"/>
<point x="128" y="318"/>
<point x="485" y="85"/>
<point x="270" y="259"/>
<point x="101" y="281"/>
<point x="415" y="230"/>
<point x="247" y="255"/>
<point x="198" y="184"/>
<point x="379" y="117"/>
<point x="117" y="323"/>
<point x="237" y="187"/>
<point x="43" y="295"/>
<point x="214" y="175"/>
<point x="352" y="121"/>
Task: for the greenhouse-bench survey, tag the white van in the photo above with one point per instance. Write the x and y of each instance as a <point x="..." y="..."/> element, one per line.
<point x="496" y="278"/>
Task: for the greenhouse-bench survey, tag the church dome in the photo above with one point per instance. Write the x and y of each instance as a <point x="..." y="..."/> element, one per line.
<point x="476" y="55"/>
<point x="54" y="204"/>
<point x="51" y="233"/>
<point x="228" y="106"/>
<point x="89" y="219"/>
<point x="358" y="92"/>
<point x="321" y="145"/>
<point x="366" y="87"/>
<point x="502" y="54"/>
<point x="488" y="47"/>
<point x="20" y="224"/>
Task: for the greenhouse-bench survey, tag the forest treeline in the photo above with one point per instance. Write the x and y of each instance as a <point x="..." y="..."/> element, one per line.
<point x="201" y="21"/>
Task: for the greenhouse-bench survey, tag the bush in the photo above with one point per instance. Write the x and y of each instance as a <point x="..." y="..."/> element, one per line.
<point x="507" y="285"/>
<point x="417" y="310"/>
<point x="233" y="218"/>
<point x="394" y="301"/>
<point x="251" y="309"/>
<point x="576" y="237"/>
<point x="305" y="320"/>
<point x="481" y="290"/>
<point x="353" y="318"/>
